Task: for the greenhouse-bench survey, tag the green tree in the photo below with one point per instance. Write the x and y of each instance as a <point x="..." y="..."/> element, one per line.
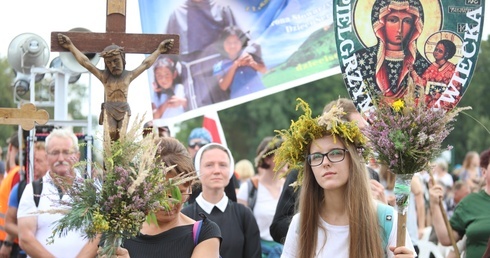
<point x="6" y="99"/>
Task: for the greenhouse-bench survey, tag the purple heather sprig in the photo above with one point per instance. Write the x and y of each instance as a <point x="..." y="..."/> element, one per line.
<point x="406" y="134"/>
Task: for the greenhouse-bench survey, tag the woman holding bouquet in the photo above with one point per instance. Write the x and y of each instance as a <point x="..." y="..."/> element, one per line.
<point x="173" y="235"/>
<point x="337" y="214"/>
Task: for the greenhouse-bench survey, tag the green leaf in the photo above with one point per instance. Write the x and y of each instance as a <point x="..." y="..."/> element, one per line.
<point x="151" y="218"/>
<point x="176" y="193"/>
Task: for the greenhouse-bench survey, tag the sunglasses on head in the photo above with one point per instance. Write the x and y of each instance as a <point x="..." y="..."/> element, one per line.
<point x="200" y="144"/>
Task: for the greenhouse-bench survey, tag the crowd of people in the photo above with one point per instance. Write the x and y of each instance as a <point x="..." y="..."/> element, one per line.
<point x="270" y="214"/>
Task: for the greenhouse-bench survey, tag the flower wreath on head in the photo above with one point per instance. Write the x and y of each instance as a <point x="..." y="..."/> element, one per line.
<point x="296" y="140"/>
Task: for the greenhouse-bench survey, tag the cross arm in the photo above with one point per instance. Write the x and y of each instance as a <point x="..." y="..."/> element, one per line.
<point x="90" y="42"/>
<point x="26" y="116"/>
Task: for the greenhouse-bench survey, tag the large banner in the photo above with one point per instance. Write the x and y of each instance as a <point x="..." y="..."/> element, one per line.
<point x="384" y="45"/>
<point x="233" y="51"/>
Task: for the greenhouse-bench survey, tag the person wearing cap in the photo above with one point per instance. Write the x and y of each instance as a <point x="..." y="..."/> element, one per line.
<point x="261" y="194"/>
<point x="199" y="137"/>
<point x="241" y="236"/>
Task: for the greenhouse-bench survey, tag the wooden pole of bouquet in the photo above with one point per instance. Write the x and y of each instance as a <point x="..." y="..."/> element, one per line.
<point x="401" y="229"/>
<point x="446" y="221"/>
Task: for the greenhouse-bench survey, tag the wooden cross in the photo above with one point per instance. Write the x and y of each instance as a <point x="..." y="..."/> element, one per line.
<point x="26" y="116"/>
<point x="90" y="42"/>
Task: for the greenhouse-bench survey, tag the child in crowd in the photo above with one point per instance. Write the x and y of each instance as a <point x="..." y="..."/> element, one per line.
<point x="168" y="97"/>
<point x="238" y="71"/>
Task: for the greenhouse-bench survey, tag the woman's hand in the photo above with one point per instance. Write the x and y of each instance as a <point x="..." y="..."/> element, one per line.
<point x="436" y="192"/>
<point x="402" y="252"/>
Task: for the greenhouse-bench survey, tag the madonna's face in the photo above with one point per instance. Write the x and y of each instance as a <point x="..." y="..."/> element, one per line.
<point x="398" y="26"/>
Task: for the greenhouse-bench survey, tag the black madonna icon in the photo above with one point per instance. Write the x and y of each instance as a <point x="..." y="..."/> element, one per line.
<point x="384" y="45"/>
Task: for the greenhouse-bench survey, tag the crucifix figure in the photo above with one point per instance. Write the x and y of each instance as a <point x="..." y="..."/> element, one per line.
<point x="114" y="77"/>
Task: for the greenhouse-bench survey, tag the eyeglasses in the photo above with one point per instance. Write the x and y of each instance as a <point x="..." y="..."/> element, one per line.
<point x="65" y="153"/>
<point x="334" y="156"/>
<point x="200" y="144"/>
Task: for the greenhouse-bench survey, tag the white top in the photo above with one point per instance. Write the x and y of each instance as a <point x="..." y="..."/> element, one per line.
<point x="264" y="209"/>
<point x="68" y="245"/>
<point x="334" y="242"/>
<point x="446" y="179"/>
<point x="171" y="111"/>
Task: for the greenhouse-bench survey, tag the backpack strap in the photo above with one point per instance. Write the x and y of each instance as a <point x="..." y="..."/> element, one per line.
<point x="253" y="184"/>
<point x="385" y="217"/>
<point x="20" y="189"/>
<point x="196" y="229"/>
<point x="37" y="187"/>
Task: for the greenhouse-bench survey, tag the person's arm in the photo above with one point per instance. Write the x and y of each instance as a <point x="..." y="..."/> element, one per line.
<point x="82" y="59"/>
<point x="247" y="59"/>
<point x="207" y="248"/>
<point x="89" y="250"/>
<point x="5" y="250"/>
<point x="10" y="223"/>
<point x="417" y="79"/>
<point x="173" y="101"/>
<point x="11" y="216"/>
<point x="27" y="238"/>
<point x="158" y="112"/>
<point x="418" y="192"/>
<point x="284" y="209"/>
<point x="378" y="191"/>
<point x="227" y="79"/>
<point x="164" y="46"/>
<point x="436" y="193"/>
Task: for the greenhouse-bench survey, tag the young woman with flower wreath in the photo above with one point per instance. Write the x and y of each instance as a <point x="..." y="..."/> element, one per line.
<point x="337" y="213"/>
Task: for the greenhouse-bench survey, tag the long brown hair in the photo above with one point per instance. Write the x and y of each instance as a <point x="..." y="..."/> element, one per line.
<point x="364" y="228"/>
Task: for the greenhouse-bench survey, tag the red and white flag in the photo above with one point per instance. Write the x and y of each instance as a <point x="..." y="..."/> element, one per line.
<point x="213" y="125"/>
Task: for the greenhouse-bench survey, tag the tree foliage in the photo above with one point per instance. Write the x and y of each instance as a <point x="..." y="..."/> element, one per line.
<point x="6" y="99"/>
